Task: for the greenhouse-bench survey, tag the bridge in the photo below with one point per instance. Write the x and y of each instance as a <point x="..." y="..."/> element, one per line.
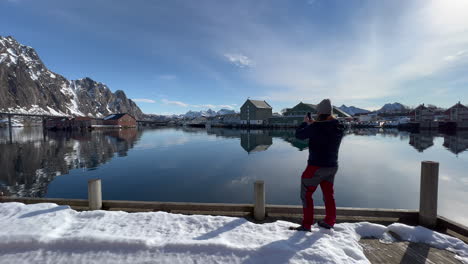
<point x="10" y="115"/>
<point x="144" y="123"/>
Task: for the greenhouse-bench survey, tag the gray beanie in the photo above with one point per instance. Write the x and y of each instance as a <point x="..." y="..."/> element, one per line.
<point x="325" y="107"/>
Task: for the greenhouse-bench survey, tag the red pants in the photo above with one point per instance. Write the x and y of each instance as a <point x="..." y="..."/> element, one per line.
<point x="312" y="177"/>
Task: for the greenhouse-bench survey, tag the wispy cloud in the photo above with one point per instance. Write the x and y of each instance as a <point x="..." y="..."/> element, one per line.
<point x="239" y="60"/>
<point x="177" y="103"/>
<point x="206" y="106"/>
<point x="144" y="100"/>
<point x="372" y="59"/>
<point x="167" y="77"/>
<point x="456" y="56"/>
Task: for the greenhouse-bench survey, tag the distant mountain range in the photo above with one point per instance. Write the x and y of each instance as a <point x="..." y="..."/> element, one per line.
<point x="208" y="113"/>
<point x="387" y="108"/>
<point x="27" y="86"/>
<point x="391" y="108"/>
<point x="190" y="115"/>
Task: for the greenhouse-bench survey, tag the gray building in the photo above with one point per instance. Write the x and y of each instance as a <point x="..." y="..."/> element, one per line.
<point x="295" y="115"/>
<point x="255" y="112"/>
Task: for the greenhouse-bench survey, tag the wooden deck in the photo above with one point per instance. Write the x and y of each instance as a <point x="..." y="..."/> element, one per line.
<point x="375" y="251"/>
<point x="405" y="253"/>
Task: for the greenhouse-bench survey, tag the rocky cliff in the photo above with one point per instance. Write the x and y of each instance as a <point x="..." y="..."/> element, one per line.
<point x="27" y="86"/>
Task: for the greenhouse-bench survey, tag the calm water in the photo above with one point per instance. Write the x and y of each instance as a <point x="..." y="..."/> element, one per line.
<point x="378" y="169"/>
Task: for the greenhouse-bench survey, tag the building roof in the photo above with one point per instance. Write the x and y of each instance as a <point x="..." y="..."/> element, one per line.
<point x="260" y="104"/>
<point x="457" y="105"/>
<point x="340" y="112"/>
<point x="115" y="116"/>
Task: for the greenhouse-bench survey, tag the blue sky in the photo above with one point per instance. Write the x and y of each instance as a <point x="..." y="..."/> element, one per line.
<point x="174" y="56"/>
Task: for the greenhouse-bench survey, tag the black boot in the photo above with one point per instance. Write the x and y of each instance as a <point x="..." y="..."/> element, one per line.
<point x="299" y="228"/>
<point x="322" y="223"/>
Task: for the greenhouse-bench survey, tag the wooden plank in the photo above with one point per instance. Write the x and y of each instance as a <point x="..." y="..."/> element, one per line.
<point x="445" y="223"/>
<point x="171" y="206"/>
<point x="405" y="252"/>
<point x="59" y="201"/>
<point x="346" y="211"/>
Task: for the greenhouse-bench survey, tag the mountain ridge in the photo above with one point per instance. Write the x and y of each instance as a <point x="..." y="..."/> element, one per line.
<point x="28" y="86"/>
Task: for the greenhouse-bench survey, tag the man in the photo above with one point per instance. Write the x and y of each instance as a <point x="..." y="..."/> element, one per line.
<point x="324" y="136"/>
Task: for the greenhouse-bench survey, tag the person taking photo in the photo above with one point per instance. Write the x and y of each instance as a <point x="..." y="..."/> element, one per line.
<point x="324" y="135"/>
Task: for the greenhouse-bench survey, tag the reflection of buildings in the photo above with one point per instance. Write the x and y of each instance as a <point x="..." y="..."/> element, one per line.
<point x="255" y="141"/>
<point x="456" y="143"/>
<point x="29" y="166"/>
<point x="422" y="141"/>
<point x="251" y="140"/>
<point x="290" y="136"/>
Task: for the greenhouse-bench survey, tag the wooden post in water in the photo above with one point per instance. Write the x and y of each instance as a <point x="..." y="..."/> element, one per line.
<point x="428" y="194"/>
<point x="259" y="203"/>
<point x="10" y="129"/>
<point x="94" y="194"/>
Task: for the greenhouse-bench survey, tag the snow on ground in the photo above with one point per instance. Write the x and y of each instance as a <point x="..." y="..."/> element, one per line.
<point x="50" y="233"/>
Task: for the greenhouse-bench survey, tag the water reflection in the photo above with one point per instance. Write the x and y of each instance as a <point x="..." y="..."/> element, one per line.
<point x="34" y="159"/>
<point x="261" y="140"/>
<point x="255" y="141"/>
<point x="215" y="157"/>
<point x="456" y="143"/>
<point x="422" y="141"/>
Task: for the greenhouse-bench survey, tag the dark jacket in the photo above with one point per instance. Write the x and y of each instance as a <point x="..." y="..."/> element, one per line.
<point x="324" y="141"/>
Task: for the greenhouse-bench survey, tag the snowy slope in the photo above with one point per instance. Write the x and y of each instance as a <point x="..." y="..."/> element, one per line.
<point x="47" y="233"/>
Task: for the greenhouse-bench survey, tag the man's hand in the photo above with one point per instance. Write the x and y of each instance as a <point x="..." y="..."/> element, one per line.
<point x="307" y="120"/>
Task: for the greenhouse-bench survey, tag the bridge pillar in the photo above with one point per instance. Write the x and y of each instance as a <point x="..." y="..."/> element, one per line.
<point x="10" y="129"/>
<point x="44" y="129"/>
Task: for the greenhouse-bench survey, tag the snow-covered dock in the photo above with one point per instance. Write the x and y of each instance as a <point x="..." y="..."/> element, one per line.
<point x="48" y="233"/>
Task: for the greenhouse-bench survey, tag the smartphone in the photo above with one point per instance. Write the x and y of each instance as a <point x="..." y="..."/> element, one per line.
<point x="309" y="115"/>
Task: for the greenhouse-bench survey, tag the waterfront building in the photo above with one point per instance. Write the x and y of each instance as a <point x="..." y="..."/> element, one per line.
<point x="255" y="112"/>
<point x="295" y="115"/>
<point x="119" y="120"/>
<point x="301" y="109"/>
<point x="84" y="122"/>
<point x="370" y="117"/>
<point x="231" y="119"/>
<point x="457" y="113"/>
<point x="422" y="113"/>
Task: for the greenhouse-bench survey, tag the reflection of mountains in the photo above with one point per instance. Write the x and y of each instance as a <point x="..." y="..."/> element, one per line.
<point x="29" y="166"/>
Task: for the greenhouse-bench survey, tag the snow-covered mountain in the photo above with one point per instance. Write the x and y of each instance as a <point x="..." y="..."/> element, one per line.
<point x="207" y="113"/>
<point x="352" y="110"/>
<point x="27" y="86"/>
<point x="392" y="108"/>
<point x="225" y="112"/>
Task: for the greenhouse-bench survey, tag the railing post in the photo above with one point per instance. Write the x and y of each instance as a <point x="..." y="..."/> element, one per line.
<point x="94" y="194"/>
<point x="259" y="203"/>
<point x="428" y="194"/>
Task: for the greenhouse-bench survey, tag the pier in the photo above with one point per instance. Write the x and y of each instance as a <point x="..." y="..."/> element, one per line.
<point x="260" y="212"/>
<point x="10" y="115"/>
